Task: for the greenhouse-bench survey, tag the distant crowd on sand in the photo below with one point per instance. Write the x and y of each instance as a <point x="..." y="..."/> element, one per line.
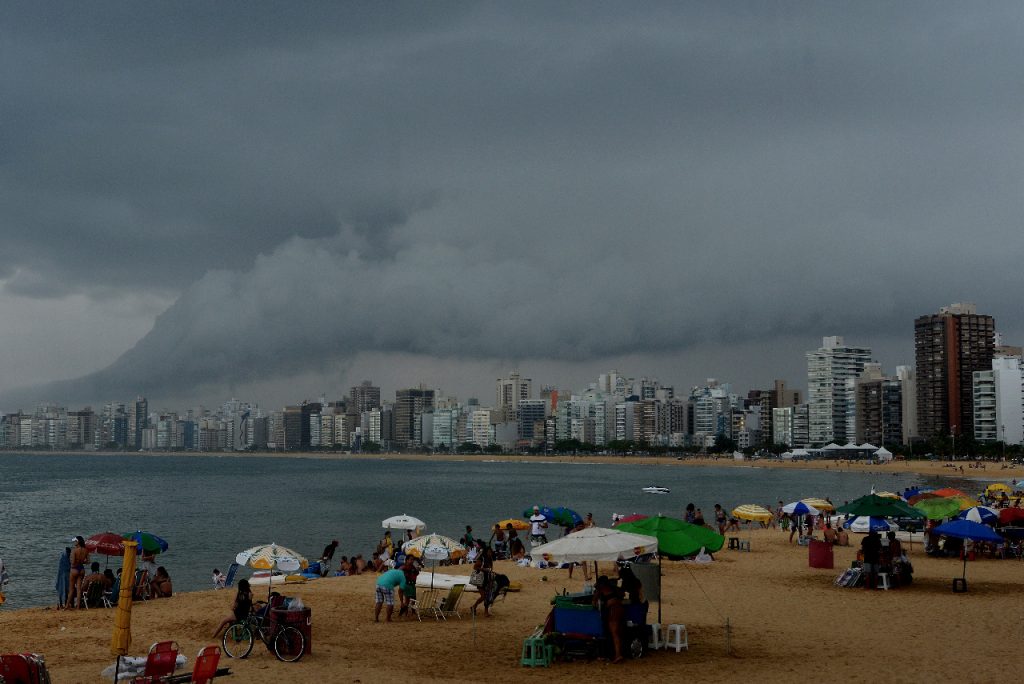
<point x="76" y="589"/>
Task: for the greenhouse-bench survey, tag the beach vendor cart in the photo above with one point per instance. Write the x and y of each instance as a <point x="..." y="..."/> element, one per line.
<point x="577" y="629"/>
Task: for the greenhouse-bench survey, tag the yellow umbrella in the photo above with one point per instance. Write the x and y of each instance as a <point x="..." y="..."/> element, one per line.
<point x="752" y="512"/>
<point x="888" y="495"/>
<point x="998" y="487"/>
<point x="821" y="504"/>
<point x="121" y="639"/>
<point x="516" y="524"/>
<point x="965" y="503"/>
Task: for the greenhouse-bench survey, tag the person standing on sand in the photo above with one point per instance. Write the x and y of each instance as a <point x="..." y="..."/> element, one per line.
<point x="79" y="559"/>
<point x="720" y="519"/>
<point x="872" y="549"/>
<point x="538" y="523"/>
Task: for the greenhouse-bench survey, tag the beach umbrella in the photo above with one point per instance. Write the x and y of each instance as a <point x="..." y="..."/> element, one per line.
<point x="676" y="539"/>
<point x="417" y="547"/>
<point x="997" y="487"/>
<point x="752" y="512"/>
<point x="799" y="508"/>
<point x="863" y="523"/>
<point x="949" y="491"/>
<point x="821" y="504"/>
<point x="1009" y="516"/>
<point x="121" y="638"/>
<point x="888" y="495"/>
<point x="106" y="544"/>
<point x="938" y="509"/>
<point x="434" y="548"/>
<point x="402" y="522"/>
<point x="965" y="529"/>
<point x="596" y="544"/>
<point x="980" y="514"/>
<point x="147" y="541"/>
<point x="271" y="557"/>
<point x="922" y="496"/>
<point x="516" y="524"/>
<point x="880" y="507"/>
<point x="629" y="519"/>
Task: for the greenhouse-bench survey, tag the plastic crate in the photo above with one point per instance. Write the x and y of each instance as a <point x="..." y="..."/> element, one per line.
<point x="301" y="620"/>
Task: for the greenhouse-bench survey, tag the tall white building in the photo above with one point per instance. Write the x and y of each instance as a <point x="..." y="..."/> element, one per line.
<point x="999" y="402"/>
<point x="831" y="373"/>
<point x="512" y="390"/>
<point x="908" y="387"/>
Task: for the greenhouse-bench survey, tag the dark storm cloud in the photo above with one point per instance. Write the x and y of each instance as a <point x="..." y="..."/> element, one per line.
<point x="566" y="181"/>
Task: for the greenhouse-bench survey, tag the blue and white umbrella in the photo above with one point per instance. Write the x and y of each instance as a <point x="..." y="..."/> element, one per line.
<point x="865" y="523"/>
<point x="800" y="508"/>
<point x="980" y="514"/>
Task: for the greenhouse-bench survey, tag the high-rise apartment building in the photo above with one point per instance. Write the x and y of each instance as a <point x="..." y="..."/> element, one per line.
<point x="363" y="397"/>
<point x="999" y="402"/>
<point x="831" y="399"/>
<point x="409" y="403"/>
<point x="948" y="348"/>
<point x="879" y="407"/>
<point x="512" y="390"/>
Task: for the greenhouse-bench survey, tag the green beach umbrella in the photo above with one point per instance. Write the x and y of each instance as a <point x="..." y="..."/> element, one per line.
<point x="939" y="509"/>
<point x="676" y="539"/>
<point x="876" y="506"/>
<point x="147" y="541"/>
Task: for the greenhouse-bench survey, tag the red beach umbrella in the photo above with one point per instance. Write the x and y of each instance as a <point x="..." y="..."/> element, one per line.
<point x="1008" y="516"/>
<point x="949" y="491"/>
<point x="106" y="543"/>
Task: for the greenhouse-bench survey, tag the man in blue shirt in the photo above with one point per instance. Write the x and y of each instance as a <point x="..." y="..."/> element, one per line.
<point x="384" y="592"/>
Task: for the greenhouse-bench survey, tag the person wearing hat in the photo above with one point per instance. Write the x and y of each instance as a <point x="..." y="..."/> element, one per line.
<point x="538" y="523"/>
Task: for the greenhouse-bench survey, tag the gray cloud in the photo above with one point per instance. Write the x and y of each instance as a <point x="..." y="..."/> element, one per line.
<point x="573" y="183"/>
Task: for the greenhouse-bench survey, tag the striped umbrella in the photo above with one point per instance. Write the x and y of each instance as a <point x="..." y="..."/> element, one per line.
<point x="417" y="547"/>
<point x="799" y="508"/>
<point x="820" y="504"/>
<point x="752" y="512"/>
<point x="271" y="557"/>
<point x="980" y="514"/>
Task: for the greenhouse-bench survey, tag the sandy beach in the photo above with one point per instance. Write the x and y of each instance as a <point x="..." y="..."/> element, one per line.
<point x="787" y="621"/>
<point x="991" y="472"/>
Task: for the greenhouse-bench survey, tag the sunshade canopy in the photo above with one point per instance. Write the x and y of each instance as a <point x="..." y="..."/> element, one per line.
<point x="752" y="512"/>
<point x="271" y="557"/>
<point x="880" y="507"/>
<point x="402" y="522"/>
<point x="965" y="529"/>
<point x="937" y="509"/>
<point x="596" y="544"/>
<point x="430" y="543"/>
<point x="981" y="514"/>
<point x="676" y="538"/>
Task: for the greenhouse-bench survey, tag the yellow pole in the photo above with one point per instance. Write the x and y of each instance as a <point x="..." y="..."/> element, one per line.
<point x="121" y="639"/>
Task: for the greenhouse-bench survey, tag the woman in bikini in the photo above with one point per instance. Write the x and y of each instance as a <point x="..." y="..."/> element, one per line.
<point x="79" y="559"/>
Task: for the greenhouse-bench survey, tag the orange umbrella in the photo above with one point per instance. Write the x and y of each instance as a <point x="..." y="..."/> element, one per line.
<point x="949" y="491"/>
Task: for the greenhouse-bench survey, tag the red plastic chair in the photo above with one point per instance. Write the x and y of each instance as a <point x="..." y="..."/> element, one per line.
<point x="23" y="667"/>
<point x="163" y="656"/>
<point x="206" y="665"/>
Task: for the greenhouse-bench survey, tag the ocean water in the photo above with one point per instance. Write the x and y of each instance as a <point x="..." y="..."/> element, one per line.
<point x="210" y="508"/>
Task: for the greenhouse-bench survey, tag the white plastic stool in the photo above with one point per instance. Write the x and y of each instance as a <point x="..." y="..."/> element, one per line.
<point x="656" y="641"/>
<point x="677" y="638"/>
<point x="883" y="578"/>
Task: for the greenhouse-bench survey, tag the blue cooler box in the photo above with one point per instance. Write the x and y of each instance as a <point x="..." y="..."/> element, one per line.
<point x="583" y="620"/>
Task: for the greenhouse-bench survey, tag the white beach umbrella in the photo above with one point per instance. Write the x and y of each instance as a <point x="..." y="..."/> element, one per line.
<point x="596" y="544"/>
<point x="403" y="522"/>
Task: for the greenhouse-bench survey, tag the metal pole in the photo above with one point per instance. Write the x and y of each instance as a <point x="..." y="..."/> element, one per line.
<point x="728" y="637"/>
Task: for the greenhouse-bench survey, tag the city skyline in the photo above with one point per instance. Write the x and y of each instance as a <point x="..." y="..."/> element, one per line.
<point x="199" y="202"/>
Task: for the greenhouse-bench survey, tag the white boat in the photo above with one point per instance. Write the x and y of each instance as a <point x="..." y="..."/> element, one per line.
<point x="656" y="490"/>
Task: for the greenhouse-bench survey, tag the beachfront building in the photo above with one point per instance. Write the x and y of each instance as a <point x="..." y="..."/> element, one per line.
<point x="999" y="402"/>
<point x="879" y="405"/>
<point x="529" y="415"/>
<point x="364" y="397"/>
<point x="409" y="403"/>
<point x="510" y="392"/>
<point x="831" y="398"/>
<point x="948" y="348"/>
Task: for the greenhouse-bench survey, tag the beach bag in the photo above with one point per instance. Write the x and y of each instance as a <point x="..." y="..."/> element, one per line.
<point x="477" y="578"/>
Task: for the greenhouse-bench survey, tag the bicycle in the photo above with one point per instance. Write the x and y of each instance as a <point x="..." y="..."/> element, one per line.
<point x="286" y="642"/>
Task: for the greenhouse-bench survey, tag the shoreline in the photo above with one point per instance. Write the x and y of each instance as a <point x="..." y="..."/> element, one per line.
<point x="993" y="472"/>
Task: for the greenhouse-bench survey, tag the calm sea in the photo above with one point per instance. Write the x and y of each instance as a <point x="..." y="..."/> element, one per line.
<point x="210" y="508"/>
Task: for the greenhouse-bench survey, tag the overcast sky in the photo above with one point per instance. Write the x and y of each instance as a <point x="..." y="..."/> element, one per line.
<point x="200" y="200"/>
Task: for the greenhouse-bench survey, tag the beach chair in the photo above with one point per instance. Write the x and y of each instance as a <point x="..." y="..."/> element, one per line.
<point x="110" y="597"/>
<point x="140" y="590"/>
<point x="450" y="605"/>
<point x="231" y="576"/>
<point x="93" y="597"/>
<point x="23" y="667"/>
<point x="206" y="665"/>
<point x="160" y="663"/>
<point x="425" y="602"/>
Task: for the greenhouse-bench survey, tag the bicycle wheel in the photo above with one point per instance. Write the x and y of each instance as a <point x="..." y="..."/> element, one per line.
<point x="238" y="640"/>
<point x="289" y="644"/>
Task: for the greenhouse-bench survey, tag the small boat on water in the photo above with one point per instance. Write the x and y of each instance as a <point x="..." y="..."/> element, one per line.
<point x="656" y="490"/>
